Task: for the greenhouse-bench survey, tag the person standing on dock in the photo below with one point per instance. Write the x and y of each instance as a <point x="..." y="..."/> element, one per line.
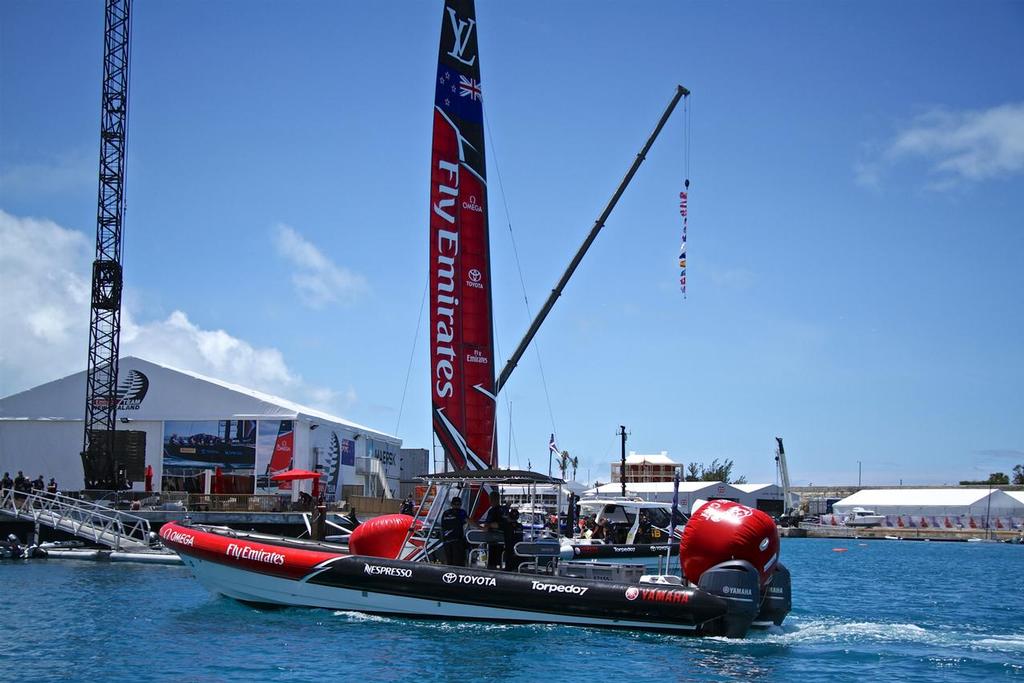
<point x="453" y="533"/>
<point x="7" y="482"/>
<point x="408" y="507"/>
<point x="52" y="486"/>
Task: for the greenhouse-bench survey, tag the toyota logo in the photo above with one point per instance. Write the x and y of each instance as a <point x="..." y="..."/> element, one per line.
<point x="449" y="577"/>
<point x="632" y="593"/>
<point x="475" y="275"/>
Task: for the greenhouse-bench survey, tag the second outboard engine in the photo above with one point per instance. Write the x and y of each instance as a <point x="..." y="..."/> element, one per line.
<point x="737" y="582"/>
<point x="777" y="598"/>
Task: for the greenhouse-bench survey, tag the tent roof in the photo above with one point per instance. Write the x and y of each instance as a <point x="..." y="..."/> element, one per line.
<point x="298" y="408"/>
<point x="52" y="397"/>
<point x="751" y="488"/>
<point x="494" y="476"/>
<point x="869" y="498"/>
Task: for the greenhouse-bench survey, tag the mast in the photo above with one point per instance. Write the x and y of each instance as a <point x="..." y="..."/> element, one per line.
<point x="461" y="330"/>
<point x="622" y="466"/>
<point x="780" y="459"/>
<point x="581" y="252"/>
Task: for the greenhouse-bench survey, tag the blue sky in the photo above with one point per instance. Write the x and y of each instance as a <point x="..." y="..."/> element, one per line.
<point x="855" y="227"/>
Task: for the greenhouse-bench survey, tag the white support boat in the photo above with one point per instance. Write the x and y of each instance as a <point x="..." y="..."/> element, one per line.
<point x="859" y="517"/>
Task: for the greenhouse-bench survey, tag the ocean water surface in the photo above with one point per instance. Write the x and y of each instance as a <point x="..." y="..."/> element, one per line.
<point x="881" y="610"/>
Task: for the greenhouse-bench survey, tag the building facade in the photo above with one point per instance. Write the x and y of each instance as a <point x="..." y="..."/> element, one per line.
<point x="645" y="468"/>
<point x="196" y="431"/>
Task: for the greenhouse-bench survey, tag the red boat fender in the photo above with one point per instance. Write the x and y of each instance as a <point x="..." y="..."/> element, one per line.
<point x="722" y="530"/>
<point x="381" y="536"/>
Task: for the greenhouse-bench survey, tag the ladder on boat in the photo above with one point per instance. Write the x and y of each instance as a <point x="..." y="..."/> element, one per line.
<point x="423" y="540"/>
<point x="90" y="521"/>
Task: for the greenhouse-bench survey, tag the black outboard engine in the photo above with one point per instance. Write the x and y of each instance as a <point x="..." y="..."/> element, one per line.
<point x="11" y="548"/>
<point x="736" y="581"/>
<point x="777" y="599"/>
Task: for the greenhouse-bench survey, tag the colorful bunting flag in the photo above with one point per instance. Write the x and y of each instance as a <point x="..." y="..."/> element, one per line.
<point x="683" y="209"/>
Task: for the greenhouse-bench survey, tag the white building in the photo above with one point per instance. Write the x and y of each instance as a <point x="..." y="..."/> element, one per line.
<point x="193" y="425"/>
<point x="946" y="508"/>
<point x="767" y="497"/>
<point x="661" y="491"/>
<point x="645" y="467"/>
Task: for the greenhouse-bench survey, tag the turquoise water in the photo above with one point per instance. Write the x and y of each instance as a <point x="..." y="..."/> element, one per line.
<point x="883" y="610"/>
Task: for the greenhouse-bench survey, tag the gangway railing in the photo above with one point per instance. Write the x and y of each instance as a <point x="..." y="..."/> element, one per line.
<point x="91" y="521"/>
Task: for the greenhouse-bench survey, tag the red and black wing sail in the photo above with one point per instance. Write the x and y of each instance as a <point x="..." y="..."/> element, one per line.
<point x="461" y="331"/>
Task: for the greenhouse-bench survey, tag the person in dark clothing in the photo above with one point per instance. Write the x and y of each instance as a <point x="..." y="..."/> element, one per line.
<point x="643" y="529"/>
<point x="39" y="484"/>
<point x="52" y="486"/>
<point x="453" y="533"/>
<point x="408" y="507"/>
<point x="513" y="535"/>
<point x="7" y="482"/>
<point x="496" y="521"/>
<point x="21" y="482"/>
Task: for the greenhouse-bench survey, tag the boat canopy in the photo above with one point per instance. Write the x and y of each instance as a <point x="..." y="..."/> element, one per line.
<point x="491" y="476"/>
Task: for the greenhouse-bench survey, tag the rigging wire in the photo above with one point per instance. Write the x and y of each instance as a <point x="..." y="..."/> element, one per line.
<point x="412" y="354"/>
<point x="519" y="267"/>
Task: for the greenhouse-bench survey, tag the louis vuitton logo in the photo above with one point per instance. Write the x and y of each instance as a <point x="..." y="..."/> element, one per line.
<point x="462" y="31"/>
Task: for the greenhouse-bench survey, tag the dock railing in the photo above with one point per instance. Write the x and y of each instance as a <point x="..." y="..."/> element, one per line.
<point x="91" y="521"/>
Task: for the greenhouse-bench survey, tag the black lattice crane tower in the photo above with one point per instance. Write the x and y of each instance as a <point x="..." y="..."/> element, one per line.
<point x="98" y="461"/>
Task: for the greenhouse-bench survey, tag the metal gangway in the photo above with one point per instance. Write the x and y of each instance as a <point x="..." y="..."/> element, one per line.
<point x="87" y="520"/>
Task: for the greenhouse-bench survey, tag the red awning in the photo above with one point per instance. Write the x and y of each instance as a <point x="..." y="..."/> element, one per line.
<point x="292" y="475"/>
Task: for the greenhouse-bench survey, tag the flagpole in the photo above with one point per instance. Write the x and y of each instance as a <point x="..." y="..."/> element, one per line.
<point x="672" y="525"/>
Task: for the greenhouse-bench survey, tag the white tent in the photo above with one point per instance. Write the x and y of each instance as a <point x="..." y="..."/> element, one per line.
<point x="948" y="507"/>
<point x="180" y="413"/>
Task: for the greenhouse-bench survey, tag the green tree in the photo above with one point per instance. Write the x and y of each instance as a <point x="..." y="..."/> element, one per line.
<point x="998" y="478"/>
<point x="714" y="471"/>
<point x="1018" y="475"/>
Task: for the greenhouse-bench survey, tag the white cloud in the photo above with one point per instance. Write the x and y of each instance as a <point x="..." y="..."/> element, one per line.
<point x="67" y="172"/>
<point x="44" y="305"/>
<point x="44" y="312"/>
<point x="969" y="145"/>
<point x="318" y="280"/>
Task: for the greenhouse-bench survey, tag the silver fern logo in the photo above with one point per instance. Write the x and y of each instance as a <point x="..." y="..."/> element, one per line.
<point x="131" y="390"/>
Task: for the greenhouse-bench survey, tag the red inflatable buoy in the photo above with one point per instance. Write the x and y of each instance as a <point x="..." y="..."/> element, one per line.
<point x="722" y="530"/>
<point x="381" y="536"/>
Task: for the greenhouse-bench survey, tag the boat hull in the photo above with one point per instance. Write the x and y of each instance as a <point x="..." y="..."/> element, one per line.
<point x="265" y="572"/>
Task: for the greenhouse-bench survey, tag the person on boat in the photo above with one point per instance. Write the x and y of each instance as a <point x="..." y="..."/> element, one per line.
<point x="495" y="521"/>
<point x="513" y="535"/>
<point x="643" y="529"/>
<point x="453" y="533"/>
<point x="408" y="507"/>
<point x="7" y="482"/>
<point x="39" y="484"/>
<point x="52" y="486"/>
